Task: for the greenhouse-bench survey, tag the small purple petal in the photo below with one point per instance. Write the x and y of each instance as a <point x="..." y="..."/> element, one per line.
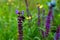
<point x="23" y="12"/>
<point x="17" y="11"/>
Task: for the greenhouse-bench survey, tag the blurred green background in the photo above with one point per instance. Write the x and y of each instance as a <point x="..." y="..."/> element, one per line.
<point x="9" y="22"/>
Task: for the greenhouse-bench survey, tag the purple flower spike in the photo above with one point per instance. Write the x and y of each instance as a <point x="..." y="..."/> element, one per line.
<point x="48" y="22"/>
<point x="17" y="11"/>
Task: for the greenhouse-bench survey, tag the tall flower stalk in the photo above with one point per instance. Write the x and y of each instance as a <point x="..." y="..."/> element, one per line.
<point x="43" y="17"/>
<point x="49" y="17"/>
<point x="48" y="21"/>
<point x="38" y="14"/>
<point x="28" y="13"/>
<point x="43" y="22"/>
<point x="20" y="27"/>
<point x="27" y="9"/>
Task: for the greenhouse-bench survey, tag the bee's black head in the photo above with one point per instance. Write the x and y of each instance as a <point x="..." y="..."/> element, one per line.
<point x="52" y="4"/>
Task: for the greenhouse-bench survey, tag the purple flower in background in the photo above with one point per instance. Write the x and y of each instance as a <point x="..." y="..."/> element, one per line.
<point x="20" y="27"/>
<point x="57" y="35"/>
<point x="43" y="33"/>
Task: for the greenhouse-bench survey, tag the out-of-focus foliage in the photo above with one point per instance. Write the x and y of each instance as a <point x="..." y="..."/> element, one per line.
<point x="9" y="22"/>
